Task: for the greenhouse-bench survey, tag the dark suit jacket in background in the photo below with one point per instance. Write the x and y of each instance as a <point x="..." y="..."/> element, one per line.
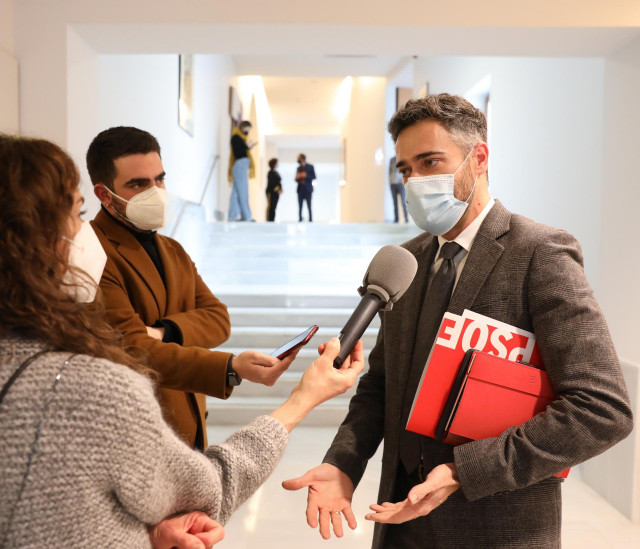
<point x="530" y="276"/>
<point x="135" y="297"/>
<point x="305" y="185"/>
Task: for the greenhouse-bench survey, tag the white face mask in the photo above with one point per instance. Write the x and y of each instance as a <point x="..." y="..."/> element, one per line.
<point x="86" y="254"/>
<point x="147" y="210"/>
<point x="432" y="204"/>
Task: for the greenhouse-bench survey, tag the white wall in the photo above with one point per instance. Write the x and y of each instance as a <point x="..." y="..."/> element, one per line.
<point x="362" y="199"/>
<point x="546" y="139"/>
<point x="83" y="109"/>
<point x="6" y="26"/>
<point x="620" y="199"/>
<point x="40" y="45"/>
<point x="9" y="101"/>
<point x="619" y="292"/>
<point x="142" y="91"/>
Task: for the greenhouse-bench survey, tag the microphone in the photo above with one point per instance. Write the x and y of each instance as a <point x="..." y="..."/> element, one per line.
<point x="390" y="273"/>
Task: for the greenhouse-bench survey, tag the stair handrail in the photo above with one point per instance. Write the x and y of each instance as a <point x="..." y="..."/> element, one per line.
<point x="199" y="203"/>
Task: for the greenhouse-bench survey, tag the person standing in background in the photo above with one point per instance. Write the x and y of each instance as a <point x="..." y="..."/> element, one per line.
<point x="274" y="189"/>
<point x="397" y="189"/>
<point x="305" y="174"/>
<point x="241" y="168"/>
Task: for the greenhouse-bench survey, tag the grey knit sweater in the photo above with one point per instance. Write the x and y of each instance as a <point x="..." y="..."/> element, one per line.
<point x="106" y="463"/>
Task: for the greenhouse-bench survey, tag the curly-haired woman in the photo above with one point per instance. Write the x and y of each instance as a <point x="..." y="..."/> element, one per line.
<point x="86" y="458"/>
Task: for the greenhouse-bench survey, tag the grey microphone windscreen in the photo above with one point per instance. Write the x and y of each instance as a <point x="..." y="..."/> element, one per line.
<point x="392" y="269"/>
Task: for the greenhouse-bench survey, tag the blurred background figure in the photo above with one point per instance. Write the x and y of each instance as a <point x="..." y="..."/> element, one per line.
<point x="241" y="168"/>
<point x="305" y="174"/>
<point x="274" y="189"/>
<point x="397" y="191"/>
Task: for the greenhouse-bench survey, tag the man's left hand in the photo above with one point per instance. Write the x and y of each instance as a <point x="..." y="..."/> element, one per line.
<point x="187" y="531"/>
<point x="423" y="498"/>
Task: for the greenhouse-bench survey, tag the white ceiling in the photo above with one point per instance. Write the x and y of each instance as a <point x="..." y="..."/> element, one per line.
<point x="303" y="64"/>
<point x="302" y="102"/>
<point x="298" y="49"/>
<point x="317" y="65"/>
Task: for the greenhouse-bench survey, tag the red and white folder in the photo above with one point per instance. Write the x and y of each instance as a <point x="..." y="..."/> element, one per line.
<point x="481" y="378"/>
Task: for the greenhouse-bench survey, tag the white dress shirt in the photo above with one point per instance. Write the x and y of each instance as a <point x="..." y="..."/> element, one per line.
<point x="465" y="239"/>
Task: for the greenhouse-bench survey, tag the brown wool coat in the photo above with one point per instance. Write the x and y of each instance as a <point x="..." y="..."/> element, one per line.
<point x="135" y="297"/>
<point x="530" y="276"/>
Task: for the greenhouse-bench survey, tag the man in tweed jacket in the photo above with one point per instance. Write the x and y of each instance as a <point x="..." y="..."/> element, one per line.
<point x="498" y="492"/>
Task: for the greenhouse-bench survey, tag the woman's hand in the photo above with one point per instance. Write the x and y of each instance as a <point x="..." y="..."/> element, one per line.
<point x="193" y="530"/>
<point x="320" y="382"/>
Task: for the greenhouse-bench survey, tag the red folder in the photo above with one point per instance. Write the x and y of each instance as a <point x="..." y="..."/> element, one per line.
<point x="455" y="336"/>
<point x="493" y="395"/>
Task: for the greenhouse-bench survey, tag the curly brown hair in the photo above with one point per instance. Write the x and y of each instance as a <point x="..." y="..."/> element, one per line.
<point x="37" y="185"/>
<point x="466" y="125"/>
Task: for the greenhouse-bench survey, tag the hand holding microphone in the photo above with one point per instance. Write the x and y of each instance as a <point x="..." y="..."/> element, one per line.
<point x="390" y="273"/>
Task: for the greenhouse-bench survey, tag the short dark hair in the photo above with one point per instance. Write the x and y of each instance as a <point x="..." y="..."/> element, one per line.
<point x="245" y="124"/>
<point x="115" y="143"/>
<point x="273" y="163"/>
<point x="466" y="124"/>
<point x="304" y="156"/>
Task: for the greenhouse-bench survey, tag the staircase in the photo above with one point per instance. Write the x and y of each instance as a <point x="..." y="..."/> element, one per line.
<point x="277" y="279"/>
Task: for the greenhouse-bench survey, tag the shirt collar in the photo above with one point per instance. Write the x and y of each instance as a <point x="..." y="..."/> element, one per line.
<point x="468" y="235"/>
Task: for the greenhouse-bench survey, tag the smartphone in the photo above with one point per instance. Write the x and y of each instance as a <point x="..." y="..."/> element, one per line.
<point x="295" y="343"/>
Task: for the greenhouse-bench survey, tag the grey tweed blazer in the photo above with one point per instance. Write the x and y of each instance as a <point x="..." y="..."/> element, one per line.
<point x="527" y="275"/>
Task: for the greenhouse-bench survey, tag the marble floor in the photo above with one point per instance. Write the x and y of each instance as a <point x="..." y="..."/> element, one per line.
<point x="274" y="518"/>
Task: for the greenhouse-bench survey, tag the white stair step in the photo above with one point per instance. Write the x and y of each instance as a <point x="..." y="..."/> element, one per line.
<point x="276" y="280"/>
<point x="238" y="261"/>
<point x="284" y="316"/>
<point x="327" y="252"/>
<point x="240" y="410"/>
<point x="320" y="240"/>
<point x="273" y="337"/>
<point x="215" y="278"/>
<point x="302" y="229"/>
<point x="240" y="296"/>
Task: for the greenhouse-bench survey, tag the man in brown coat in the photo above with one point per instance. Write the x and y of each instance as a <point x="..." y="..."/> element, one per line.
<point x="153" y="293"/>
<point x="498" y="492"/>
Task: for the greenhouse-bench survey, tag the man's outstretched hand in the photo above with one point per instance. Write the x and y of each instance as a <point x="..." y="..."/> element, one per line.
<point x="423" y="498"/>
<point x="329" y="497"/>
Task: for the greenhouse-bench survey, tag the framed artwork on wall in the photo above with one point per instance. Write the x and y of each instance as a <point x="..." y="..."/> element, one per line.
<point x="402" y="96"/>
<point x="185" y="94"/>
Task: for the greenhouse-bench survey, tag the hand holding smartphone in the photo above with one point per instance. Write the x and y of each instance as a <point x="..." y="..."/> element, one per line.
<point x="297" y="342"/>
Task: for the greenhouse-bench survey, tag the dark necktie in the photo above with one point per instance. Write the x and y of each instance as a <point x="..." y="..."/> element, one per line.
<point x="434" y="306"/>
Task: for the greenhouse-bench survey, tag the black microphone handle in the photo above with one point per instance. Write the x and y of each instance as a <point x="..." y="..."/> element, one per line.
<point x="360" y="319"/>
